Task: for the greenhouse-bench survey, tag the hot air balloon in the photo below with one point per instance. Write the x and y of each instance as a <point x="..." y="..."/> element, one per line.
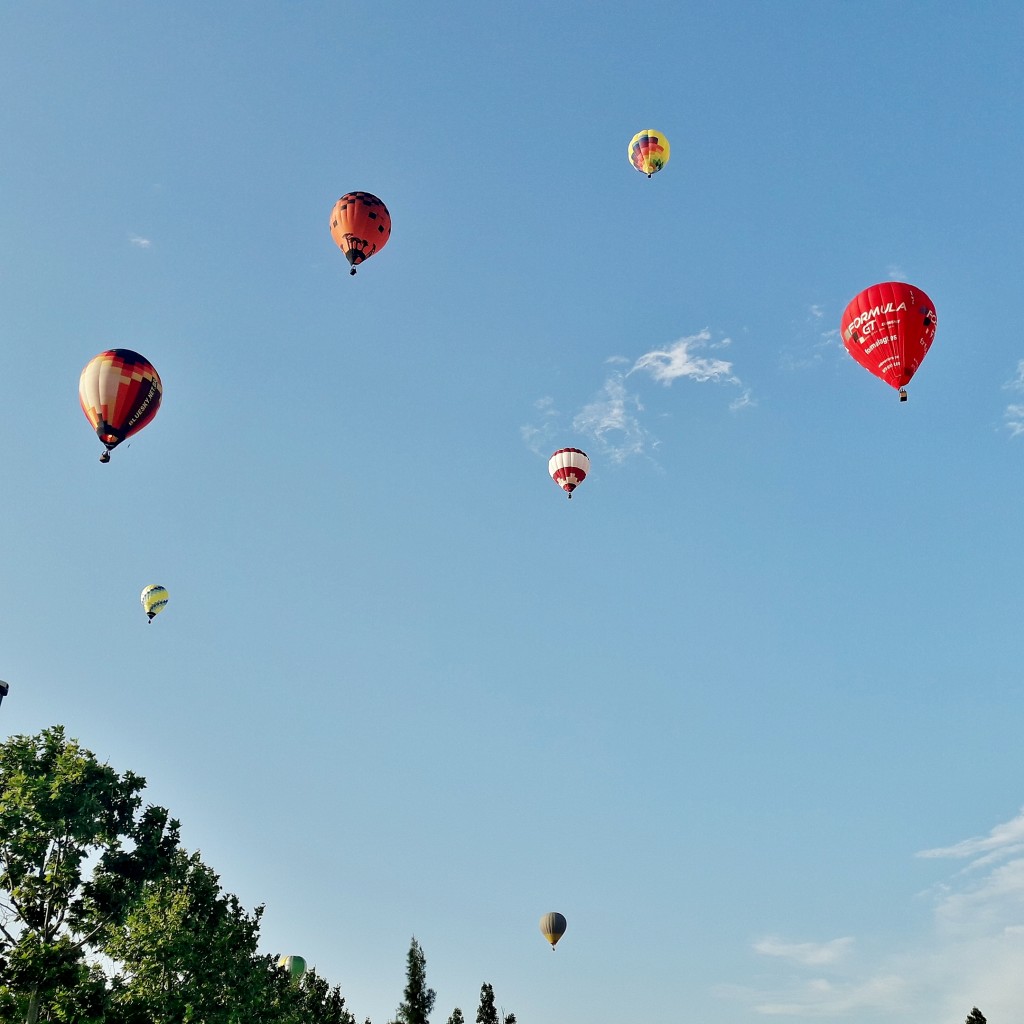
<point x="120" y="393"/>
<point x="552" y="927"/>
<point x="4" y="690"/>
<point x="294" y="965"/>
<point x="648" y="151"/>
<point x="568" y="468"/>
<point x="361" y="225"/>
<point x="888" y="328"/>
<point x="154" y="600"/>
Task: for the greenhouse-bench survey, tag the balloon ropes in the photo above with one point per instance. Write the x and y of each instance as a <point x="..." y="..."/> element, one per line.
<point x="360" y="225"/>
<point x="648" y="151"/>
<point x="552" y="927"/>
<point x="120" y="392"/>
<point x="154" y="600"/>
<point x="294" y="965"/>
<point x="569" y="468"/>
<point x="888" y="328"/>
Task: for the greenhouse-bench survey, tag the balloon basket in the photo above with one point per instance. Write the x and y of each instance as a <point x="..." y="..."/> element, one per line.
<point x="903" y="394"/>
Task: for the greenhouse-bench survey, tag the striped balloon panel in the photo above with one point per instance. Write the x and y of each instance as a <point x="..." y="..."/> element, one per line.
<point x="568" y="468"/>
<point x="120" y="393"/>
<point x="648" y="151"/>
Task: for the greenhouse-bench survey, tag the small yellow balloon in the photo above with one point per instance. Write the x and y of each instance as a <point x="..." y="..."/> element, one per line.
<point x="154" y="600"/>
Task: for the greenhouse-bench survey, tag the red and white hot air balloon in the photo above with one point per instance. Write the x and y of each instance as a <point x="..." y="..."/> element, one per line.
<point x="569" y="468"/>
<point x="888" y="328"/>
<point x="120" y="392"/>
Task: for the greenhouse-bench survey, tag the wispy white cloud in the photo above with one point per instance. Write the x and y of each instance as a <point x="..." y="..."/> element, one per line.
<point x="1013" y="415"/>
<point x="679" y="360"/>
<point x="539" y="436"/>
<point x="139" y="242"/>
<point x="1006" y="838"/>
<point x="612" y="419"/>
<point x="808" y="953"/>
<point x="970" y="954"/>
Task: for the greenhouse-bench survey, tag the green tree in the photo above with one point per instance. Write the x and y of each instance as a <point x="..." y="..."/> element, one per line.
<point x="187" y="950"/>
<point x="486" y="1012"/>
<point x="76" y="849"/>
<point x="419" y="1000"/>
<point x="976" y="1017"/>
<point x="456" y="1017"/>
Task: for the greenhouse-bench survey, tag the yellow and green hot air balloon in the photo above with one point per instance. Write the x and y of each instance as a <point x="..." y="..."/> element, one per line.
<point x="552" y="927"/>
<point x="648" y="151"/>
<point x="154" y="600"/>
<point x="294" y="965"/>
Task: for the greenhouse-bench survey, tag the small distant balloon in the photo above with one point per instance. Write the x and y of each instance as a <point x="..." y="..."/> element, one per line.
<point x="360" y="225"/>
<point x="648" y="151"/>
<point x="4" y="690"/>
<point x="294" y="965"/>
<point x="569" y="468"/>
<point x="552" y="927"/>
<point x="154" y="600"/>
<point x="120" y="392"/>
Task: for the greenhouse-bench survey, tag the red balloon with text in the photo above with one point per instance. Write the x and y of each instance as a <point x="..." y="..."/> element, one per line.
<point x="888" y="328"/>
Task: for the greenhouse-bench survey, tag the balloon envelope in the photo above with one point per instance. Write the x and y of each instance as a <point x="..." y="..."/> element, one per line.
<point x="294" y="965"/>
<point x="120" y="393"/>
<point x="552" y="927"/>
<point x="888" y="328"/>
<point x="648" y="151"/>
<point x="569" y="468"/>
<point x="360" y="225"/>
<point x="154" y="600"/>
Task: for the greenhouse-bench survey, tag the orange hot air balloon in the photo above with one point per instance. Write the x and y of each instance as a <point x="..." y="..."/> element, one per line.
<point x="120" y="392"/>
<point x="361" y="226"/>
<point x="888" y="328"/>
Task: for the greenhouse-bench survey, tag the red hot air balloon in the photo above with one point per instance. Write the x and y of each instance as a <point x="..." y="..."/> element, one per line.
<point x="120" y="392"/>
<point x="361" y="225"/>
<point x="888" y="329"/>
<point x="569" y="468"/>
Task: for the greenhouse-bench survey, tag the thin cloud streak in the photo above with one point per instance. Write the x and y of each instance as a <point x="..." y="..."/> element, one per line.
<point x="139" y="242"/>
<point x="808" y="953"/>
<point x="1014" y="413"/>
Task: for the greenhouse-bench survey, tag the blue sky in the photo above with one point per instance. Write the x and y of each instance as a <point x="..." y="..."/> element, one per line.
<point x="747" y="710"/>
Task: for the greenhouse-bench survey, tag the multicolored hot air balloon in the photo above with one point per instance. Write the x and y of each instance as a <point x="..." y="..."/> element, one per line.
<point x="120" y="393"/>
<point x="648" y="151"/>
<point x="361" y="225"/>
<point x="569" y="468"/>
<point x="154" y="600"/>
<point x="552" y="927"/>
<point x="294" y="965"/>
<point x="888" y="328"/>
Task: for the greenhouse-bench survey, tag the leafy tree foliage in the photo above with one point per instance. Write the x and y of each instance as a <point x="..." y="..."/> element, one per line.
<point x="76" y="847"/>
<point x="456" y="1017"/>
<point x="976" y="1017"/>
<point x="486" y="1012"/>
<point x="419" y="1000"/>
<point x="187" y="946"/>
